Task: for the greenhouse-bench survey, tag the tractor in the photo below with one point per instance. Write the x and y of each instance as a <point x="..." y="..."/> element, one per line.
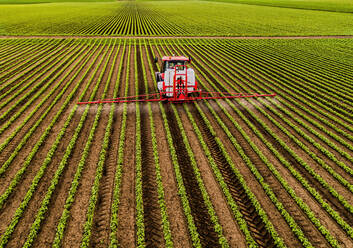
<point x="176" y="81"/>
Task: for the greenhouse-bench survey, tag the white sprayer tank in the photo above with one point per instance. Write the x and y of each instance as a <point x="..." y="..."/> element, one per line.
<point x="169" y="79"/>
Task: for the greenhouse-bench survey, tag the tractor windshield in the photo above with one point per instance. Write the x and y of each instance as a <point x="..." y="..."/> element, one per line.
<point x="172" y="63"/>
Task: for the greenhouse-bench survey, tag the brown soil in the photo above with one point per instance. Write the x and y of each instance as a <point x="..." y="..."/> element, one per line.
<point x="325" y="158"/>
<point x="336" y="142"/>
<point x="304" y="194"/>
<point x="282" y="226"/>
<point x="318" y="169"/>
<point x="280" y="192"/>
<point x="275" y="217"/>
<point x="55" y="50"/>
<point x="178" y="225"/>
<point x="202" y="219"/>
<point x="154" y="236"/>
<point x="18" y="61"/>
<point x="294" y="145"/>
<point x="34" y="104"/>
<point x="310" y="161"/>
<point x="302" y="93"/>
<point x="19" y="159"/>
<point x="29" y="75"/>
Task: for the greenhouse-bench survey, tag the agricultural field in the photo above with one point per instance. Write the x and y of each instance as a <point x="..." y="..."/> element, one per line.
<point x="169" y="18"/>
<point x="262" y="172"/>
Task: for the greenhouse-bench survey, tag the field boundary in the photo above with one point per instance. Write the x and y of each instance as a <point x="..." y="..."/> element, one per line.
<point x="172" y="37"/>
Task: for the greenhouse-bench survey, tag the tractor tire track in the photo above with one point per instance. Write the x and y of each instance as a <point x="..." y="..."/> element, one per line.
<point x="75" y="224"/>
<point x="230" y="227"/>
<point x="345" y="214"/>
<point x="253" y="220"/>
<point x="308" y="228"/>
<point x="152" y="214"/>
<point x="300" y="218"/>
<point x="320" y="213"/>
<point x="274" y="212"/>
<point x="274" y="216"/>
<point x="202" y="219"/>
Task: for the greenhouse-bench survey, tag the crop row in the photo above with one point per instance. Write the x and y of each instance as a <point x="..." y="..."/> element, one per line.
<point x="133" y="19"/>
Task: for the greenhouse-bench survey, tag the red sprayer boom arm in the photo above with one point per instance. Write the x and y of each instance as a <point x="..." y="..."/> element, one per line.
<point x="157" y="97"/>
<point x="182" y="87"/>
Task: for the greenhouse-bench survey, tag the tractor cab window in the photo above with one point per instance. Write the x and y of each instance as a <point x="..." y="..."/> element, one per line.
<point x="172" y="63"/>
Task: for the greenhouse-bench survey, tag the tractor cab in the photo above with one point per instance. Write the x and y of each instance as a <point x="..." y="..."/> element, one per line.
<point x="171" y="62"/>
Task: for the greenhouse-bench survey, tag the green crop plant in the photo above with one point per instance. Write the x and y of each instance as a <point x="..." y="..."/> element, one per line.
<point x="118" y="173"/>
